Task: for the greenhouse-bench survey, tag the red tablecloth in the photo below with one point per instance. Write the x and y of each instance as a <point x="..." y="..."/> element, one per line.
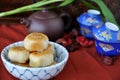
<point x="83" y="64"/>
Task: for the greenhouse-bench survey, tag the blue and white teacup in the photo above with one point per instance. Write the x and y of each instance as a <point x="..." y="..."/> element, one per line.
<point x="107" y="39"/>
<point x="89" y="20"/>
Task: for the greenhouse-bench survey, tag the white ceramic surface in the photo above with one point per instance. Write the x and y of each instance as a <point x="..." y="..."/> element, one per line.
<point x="111" y="26"/>
<point x="26" y="73"/>
<point x="92" y="11"/>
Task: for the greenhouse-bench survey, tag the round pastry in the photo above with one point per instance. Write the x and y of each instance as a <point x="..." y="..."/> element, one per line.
<point x="18" y="54"/>
<point x="36" y="42"/>
<point x="40" y="59"/>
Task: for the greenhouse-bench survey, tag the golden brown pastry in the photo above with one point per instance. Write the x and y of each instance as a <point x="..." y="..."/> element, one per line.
<point x="39" y="59"/>
<point x="36" y="42"/>
<point x="18" y="54"/>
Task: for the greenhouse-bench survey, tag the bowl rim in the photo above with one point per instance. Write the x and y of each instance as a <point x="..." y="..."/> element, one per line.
<point x="4" y="60"/>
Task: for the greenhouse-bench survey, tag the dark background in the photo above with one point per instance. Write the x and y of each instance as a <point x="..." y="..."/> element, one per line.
<point x="74" y="9"/>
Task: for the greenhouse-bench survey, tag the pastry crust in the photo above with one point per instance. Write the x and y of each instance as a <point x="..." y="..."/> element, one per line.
<point x="40" y="59"/>
<point x="18" y="54"/>
<point x="36" y="42"/>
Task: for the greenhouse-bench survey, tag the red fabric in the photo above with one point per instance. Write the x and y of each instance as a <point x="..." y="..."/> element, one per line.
<point x="83" y="64"/>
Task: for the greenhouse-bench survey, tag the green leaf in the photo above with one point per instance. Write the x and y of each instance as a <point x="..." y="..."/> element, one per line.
<point x="28" y="7"/>
<point x="106" y="12"/>
<point x="89" y="4"/>
<point x="66" y="2"/>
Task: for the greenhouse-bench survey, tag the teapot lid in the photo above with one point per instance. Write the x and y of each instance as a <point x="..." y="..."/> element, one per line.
<point x="44" y="14"/>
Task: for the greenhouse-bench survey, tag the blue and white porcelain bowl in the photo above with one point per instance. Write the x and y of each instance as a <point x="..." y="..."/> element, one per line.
<point x="107" y="39"/>
<point x="87" y="21"/>
<point x="26" y="73"/>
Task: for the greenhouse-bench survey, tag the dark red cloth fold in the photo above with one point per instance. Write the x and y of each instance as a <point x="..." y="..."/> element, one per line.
<point x="83" y="64"/>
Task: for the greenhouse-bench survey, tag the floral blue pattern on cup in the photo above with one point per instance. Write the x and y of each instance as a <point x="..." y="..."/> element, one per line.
<point x="107" y="39"/>
<point x="89" y="20"/>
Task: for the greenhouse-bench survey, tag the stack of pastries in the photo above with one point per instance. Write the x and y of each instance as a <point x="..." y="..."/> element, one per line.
<point x="36" y="50"/>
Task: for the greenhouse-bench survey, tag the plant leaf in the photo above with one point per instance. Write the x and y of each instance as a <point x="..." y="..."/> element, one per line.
<point x="105" y="10"/>
<point x="89" y="4"/>
<point x="28" y="7"/>
<point x="66" y="2"/>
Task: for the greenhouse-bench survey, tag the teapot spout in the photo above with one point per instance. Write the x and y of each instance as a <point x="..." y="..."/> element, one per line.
<point x="25" y="22"/>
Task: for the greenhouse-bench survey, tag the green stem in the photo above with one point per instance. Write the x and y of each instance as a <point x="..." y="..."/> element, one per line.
<point x="66" y="2"/>
<point x="89" y="4"/>
<point x="28" y="7"/>
<point x="39" y="9"/>
<point x="106" y="12"/>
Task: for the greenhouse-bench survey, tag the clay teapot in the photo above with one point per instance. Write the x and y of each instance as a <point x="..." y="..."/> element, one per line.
<point x="47" y="22"/>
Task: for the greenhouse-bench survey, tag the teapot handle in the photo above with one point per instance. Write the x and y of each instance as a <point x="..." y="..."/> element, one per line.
<point x="25" y="22"/>
<point x="67" y="20"/>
